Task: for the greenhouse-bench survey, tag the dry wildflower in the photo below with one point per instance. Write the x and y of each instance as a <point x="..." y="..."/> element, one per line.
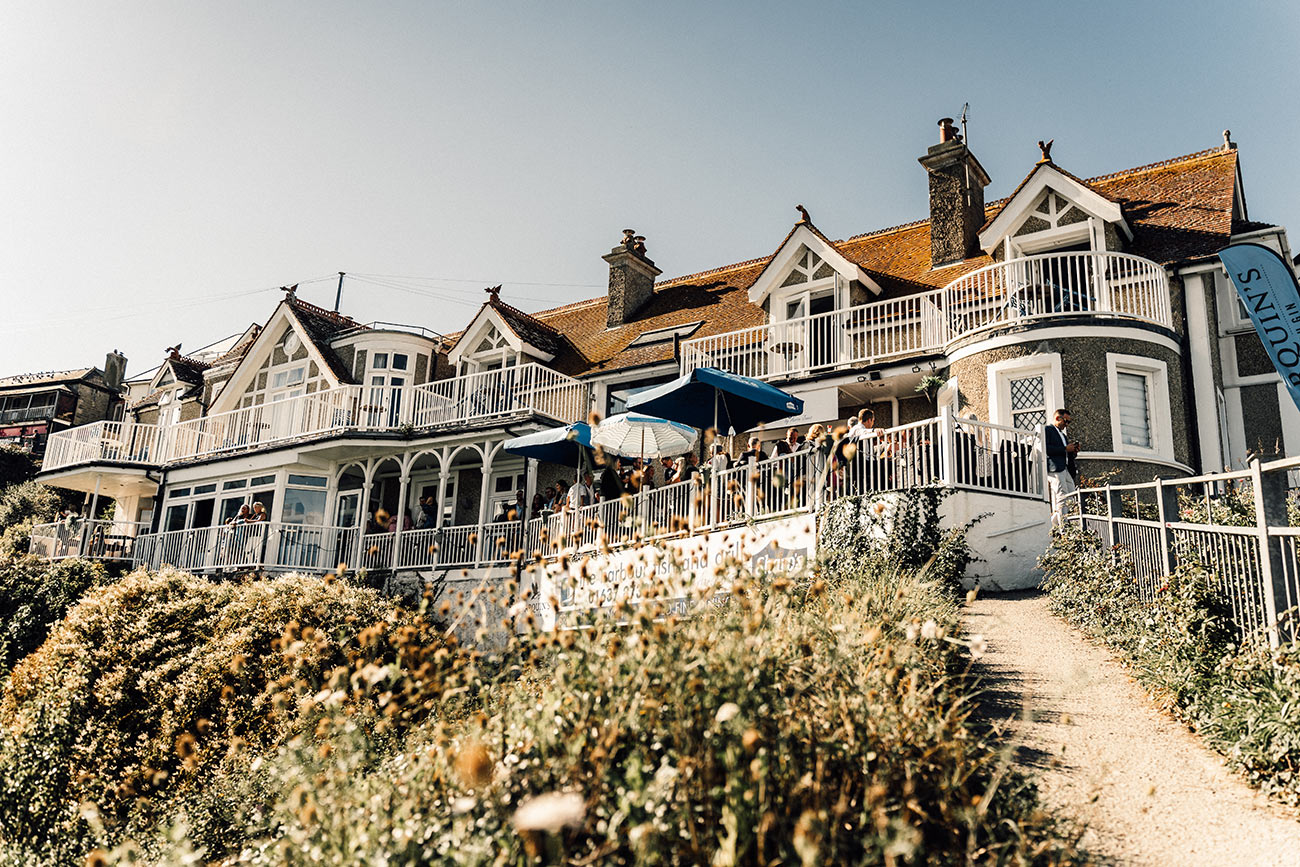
<point x="972" y="594"/>
<point x="97" y="858"/>
<point x="879" y="507"/>
<point x="750" y="740"/>
<point x="978" y="646"/>
<point x="550" y="813"/>
<point x="727" y="712"/>
<point x="237" y="663"/>
<point x="931" y="631"/>
<point x="185" y="746"/>
<point x="473" y="764"/>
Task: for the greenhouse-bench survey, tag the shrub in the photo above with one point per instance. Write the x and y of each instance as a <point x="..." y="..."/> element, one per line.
<point x="815" y="721"/>
<point x="884" y="532"/>
<point x="16" y="466"/>
<point x="35" y="594"/>
<point x="1182" y="646"/>
<point x="29" y="501"/>
<point x="150" y="680"/>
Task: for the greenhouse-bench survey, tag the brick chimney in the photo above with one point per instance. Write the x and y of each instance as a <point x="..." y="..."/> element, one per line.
<point x="114" y="369"/>
<point x="957" y="182"/>
<point x="631" y="279"/>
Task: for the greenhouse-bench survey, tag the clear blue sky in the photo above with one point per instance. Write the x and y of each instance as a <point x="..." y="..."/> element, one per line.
<point x="163" y="162"/>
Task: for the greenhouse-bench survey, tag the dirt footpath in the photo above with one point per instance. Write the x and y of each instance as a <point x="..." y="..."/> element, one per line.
<point x="1148" y="791"/>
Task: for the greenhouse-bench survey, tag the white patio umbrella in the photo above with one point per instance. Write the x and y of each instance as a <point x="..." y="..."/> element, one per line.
<point x="632" y="435"/>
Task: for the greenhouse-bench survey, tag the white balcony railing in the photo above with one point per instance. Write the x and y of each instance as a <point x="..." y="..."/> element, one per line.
<point x="1025" y="289"/>
<point x="110" y="441"/>
<point x="93" y="540"/>
<point x="945" y="451"/>
<point x="460" y="400"/>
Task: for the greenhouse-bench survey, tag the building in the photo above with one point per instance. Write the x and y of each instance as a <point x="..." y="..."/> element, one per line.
<point x="967" y="328"/>
<point x="35" y="405"/>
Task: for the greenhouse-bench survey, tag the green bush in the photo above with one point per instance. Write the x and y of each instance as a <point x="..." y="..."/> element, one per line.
<point x="149" y="681"/>
<point x="884" y="532"/>
<point x="34" y="595"/>
<point x="1183" y="647"/>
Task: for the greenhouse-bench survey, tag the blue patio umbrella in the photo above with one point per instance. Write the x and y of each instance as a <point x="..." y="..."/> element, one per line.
<point x="708" y="397"/>
<point x="561" y="445"/>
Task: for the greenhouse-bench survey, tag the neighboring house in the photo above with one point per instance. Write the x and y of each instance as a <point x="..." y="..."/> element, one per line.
<point x="35" y="405"/>
<point x="1103" y="295"/>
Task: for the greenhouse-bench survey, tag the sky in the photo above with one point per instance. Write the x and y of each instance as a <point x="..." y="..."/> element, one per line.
<point x="164" y="167"/>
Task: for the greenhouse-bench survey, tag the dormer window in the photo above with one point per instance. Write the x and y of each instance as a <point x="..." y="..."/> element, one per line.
<point x="1053" y="211"/>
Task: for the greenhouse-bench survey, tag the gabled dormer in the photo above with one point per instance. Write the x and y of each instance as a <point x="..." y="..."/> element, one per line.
<point x="1054" y="211"/>
<point x="290" y="356"/>
<point x="503" y="336"/>
<point x="809" y="274"/>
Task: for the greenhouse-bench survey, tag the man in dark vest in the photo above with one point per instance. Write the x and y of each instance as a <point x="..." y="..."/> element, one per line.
<point x="1061" y="469"/>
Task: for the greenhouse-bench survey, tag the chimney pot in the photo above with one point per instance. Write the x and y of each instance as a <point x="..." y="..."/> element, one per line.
<point x="947" y="132"/>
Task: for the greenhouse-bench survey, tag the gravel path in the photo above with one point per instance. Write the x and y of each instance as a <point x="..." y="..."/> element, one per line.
<point x="1146" y="789"/>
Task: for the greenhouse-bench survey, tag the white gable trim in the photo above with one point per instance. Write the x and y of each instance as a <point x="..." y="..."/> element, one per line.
<point x="783" y="260"/>
<point x="234" y="388"/>
<point x="1016" y="211"/>
<point x="487" y="316"/>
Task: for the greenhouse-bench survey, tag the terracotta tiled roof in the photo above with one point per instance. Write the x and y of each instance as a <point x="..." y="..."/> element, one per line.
<point x="188" y="369"/>
<point x="529" y="328"/>
<point x="1179" y="209"/>
<point x="322" y="326"/>
<point x="48" y="377"/>
<point x="240" y="349"/>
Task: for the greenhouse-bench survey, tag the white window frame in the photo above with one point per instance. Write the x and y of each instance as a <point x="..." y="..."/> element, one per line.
<point x="1000" y="374"/>
<point x="1159" y="408"/>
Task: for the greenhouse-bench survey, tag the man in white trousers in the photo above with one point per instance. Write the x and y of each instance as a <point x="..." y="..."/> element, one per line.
<point x="1060" y="463"/>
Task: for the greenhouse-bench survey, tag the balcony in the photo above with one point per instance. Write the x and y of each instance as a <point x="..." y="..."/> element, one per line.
<point x="352" y="408"/>
<point x="93" y="540"/>
<point x="961" y="454"/>
<point x="1028" y="289"/>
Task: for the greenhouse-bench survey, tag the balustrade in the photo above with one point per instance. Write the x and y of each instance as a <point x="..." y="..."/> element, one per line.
<point x="1032" y="287"/>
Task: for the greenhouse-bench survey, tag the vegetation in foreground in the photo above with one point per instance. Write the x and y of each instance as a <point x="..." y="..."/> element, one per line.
<point x="818" y="719"/>
<point x="1244" y="700"/>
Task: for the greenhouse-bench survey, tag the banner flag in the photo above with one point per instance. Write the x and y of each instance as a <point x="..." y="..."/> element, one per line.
<point x="1267" y="286"/>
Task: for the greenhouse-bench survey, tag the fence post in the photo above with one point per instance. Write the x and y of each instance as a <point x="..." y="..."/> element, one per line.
<point x="1114" y="503"/>
<point x="1167" y="504"/>
<point x="948" y="450"/>
<point x="1270" y="511"/>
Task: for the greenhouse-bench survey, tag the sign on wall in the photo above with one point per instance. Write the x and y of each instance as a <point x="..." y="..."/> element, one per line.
<point x="1267" y="286"/>
<point x="682" y="572"/>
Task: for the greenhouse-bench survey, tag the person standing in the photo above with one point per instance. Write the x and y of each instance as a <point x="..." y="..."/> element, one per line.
<point x="1060" y="463"/>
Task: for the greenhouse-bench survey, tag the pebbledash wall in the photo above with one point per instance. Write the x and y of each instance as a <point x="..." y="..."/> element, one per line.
<point x="1081" y="362"/>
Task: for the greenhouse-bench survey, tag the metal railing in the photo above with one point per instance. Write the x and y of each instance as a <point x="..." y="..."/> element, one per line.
<point x="92" y="540"/>
<point x="946" y="451"/>
<point x="27" y="413"/>
<point x="262" y="546"/>
<point x="460" y="400"/>
<point x="1234" y="524"/>
<point x="1024" y="289"/>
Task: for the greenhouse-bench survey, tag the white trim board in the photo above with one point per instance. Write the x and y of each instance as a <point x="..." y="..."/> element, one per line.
<point x="1116" y="456"/>
<point x="1059" y="332"/>
<point x="1000" y="374"/>
<point x="783" y="260"/>
<point x="1047" y="176"/>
